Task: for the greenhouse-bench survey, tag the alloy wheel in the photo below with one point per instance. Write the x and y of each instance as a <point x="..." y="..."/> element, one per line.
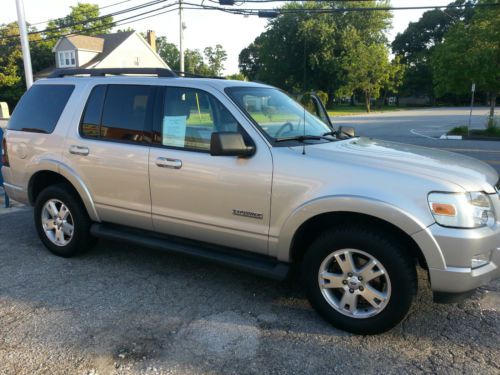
<point x="354" y="283"/>
<point x="57" y="222"/>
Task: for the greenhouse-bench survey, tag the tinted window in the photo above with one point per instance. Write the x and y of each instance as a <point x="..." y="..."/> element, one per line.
<point x="126" y="110"/>
<point x="40" y="108"/>
<point x="190" y="117"/>
<point x="91" y="119"/>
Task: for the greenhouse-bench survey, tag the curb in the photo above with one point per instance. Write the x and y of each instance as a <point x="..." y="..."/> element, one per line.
<point x="446" y="136"/>
<point x="470" y="138"/>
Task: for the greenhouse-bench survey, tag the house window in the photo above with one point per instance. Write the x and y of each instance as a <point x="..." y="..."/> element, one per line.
<point x="67" y="58"/>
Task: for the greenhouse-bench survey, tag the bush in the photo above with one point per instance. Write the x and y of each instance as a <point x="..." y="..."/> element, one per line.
<point x="323" y="96"/>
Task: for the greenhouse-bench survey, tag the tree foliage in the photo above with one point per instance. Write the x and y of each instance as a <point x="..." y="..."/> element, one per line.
<point x="84" y="18"/>
<point x="369" y="70"/>
<point x="414" y="46"/>
<point x="209" y="63"/>
<point x="12" y="82"/>
<point x="302" y="51"/>
<point x="470" y="53"/>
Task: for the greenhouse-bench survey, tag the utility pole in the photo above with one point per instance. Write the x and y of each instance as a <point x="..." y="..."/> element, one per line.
<point x="28" y="73"/>
<point x="181" y="38"/>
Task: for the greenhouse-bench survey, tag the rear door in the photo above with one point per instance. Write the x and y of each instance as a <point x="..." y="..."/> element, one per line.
<point x="110" y="152"/>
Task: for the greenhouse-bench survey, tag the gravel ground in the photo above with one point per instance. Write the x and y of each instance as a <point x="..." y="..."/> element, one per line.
<point x="124" y="310"/>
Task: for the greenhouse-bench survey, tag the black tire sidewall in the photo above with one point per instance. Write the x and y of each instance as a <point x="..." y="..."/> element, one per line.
<point x="81" y="221"/>
<point x="399" y="266"/>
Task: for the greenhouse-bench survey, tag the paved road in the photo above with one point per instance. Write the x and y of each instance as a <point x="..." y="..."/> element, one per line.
<point x="424" y="127"/>
<point x="125" y="310"/>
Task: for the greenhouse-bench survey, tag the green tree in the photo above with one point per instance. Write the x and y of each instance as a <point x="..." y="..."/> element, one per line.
<point x="194" y="62"/>
<point x="210" y="63"/>
<point x="394" y="79"/>
<point x="367" y="70"/>
<point x="470" y="53"/>
<point x="215" y="57"/>
<point x="168" y="52"/>
<point x="84" y="18"/>
<point x="300" y="51"/>
<point x="414" y="46"/>
<point x="12" y="82"/>
<point x="237" y="77"/>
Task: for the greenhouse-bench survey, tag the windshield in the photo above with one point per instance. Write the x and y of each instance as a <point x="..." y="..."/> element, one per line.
<point x="278" y="115"/>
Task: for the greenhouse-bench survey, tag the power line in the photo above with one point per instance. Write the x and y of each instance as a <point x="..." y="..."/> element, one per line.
<point x="120" y="22"/>
<point x="276" y="12"/>
<point x="52" y="29"/>
<point x="69" y="16"/>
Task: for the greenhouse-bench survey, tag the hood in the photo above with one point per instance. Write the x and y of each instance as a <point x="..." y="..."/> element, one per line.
<point x="469" y="173"/>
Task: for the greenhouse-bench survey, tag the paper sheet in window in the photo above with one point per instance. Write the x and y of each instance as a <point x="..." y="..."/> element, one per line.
<point x="174" y="130"/>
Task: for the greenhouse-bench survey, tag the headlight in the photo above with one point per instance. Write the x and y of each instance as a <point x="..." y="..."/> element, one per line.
<point x="462" y="210"/>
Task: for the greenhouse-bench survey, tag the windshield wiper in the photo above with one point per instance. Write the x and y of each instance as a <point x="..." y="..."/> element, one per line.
<point x="302" y="138"/>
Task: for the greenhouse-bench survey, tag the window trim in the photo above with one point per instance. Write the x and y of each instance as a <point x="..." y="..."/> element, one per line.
<point x="148" y="125"/>
<point x="72" y="56"/>
<point x="159" y="114"/>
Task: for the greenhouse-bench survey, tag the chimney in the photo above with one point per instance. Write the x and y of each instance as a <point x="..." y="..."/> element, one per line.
<point x="151" y="37"/>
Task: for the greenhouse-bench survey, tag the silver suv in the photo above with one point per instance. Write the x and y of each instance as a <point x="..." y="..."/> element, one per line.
<point x="239" y="173"/>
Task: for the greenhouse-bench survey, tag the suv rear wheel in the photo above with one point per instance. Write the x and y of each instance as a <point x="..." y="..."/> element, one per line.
<point x="62" y="222"/>
<point x="358" y="280"/>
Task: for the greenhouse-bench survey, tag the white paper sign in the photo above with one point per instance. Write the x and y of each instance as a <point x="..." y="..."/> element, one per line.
<point x="174" y="130"/>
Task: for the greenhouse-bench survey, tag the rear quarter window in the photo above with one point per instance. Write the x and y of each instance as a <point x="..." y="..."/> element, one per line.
<point x="40" y="108"/>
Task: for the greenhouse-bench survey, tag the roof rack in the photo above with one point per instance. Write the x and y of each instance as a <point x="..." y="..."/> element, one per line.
<point x="195" y="75"/>
<point x="160" y="72"/>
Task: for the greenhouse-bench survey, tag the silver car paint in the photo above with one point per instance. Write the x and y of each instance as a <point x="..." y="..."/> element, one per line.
<point x="387" y="180"/>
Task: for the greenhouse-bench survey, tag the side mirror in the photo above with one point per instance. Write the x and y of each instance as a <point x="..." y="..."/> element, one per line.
<point x="346" y="132"/>
<point x="229" y="144"/>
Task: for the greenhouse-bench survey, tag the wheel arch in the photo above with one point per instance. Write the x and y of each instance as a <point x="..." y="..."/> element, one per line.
<point x="56" y="173"/>
<point x="308" y="221"/>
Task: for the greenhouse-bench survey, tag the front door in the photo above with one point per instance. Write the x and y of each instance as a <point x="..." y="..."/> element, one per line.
<point x="217" y="199"/>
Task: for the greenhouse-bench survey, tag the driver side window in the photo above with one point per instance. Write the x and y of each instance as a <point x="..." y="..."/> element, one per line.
<point x="190" y="116"/>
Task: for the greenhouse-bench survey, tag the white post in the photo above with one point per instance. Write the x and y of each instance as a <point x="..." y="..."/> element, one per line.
<point x="181" y="38"/>
<point x="28" y="73"/>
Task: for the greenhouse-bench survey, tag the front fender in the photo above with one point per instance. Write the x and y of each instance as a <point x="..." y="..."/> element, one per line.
<point x="362" y="205"/>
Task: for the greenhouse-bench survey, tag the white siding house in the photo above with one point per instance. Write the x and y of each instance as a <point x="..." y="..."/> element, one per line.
<point x="117" y="50"/>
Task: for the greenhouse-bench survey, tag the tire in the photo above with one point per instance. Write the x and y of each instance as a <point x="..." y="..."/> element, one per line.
<point x="342" y="298"/>
<point x="73" y="241"/>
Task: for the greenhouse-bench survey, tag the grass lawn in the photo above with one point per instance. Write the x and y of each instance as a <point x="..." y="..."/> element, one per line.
<point x="349" y="110"/>
<point x="493" y="132"/>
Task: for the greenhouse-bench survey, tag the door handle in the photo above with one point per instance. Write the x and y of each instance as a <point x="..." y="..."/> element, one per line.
<point x="79" y="150"/>
<point x="169" y="163"/>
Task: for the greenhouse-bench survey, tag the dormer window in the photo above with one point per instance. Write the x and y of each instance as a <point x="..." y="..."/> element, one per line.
<point x="66" y="59"/>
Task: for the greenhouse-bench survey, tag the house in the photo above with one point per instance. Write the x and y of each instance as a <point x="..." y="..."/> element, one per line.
<point x="118" y="50"/>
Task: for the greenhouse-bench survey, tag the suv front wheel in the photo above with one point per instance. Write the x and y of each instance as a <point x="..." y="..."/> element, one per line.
<point x="358" y="280"/>
<point x="62" y="222"/>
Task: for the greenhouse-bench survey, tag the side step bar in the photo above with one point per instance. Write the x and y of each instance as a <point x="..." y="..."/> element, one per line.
<point x="252" y="263"/>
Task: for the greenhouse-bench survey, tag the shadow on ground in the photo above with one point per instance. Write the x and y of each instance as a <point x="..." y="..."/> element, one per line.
<point x="119" y="309"/>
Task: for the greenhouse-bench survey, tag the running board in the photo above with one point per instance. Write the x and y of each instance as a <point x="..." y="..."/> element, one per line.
<point x="241" y="260"/>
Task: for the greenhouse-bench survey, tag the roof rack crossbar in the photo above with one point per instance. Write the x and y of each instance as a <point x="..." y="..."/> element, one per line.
<point x="195" y="75"/>
<point x="160" y="72"/>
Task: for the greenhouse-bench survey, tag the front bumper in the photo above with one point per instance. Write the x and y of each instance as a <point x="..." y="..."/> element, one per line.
<point x="458" y="248"/>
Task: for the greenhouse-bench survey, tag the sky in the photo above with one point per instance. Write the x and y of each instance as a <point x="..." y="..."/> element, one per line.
<point x="203" y="27"/>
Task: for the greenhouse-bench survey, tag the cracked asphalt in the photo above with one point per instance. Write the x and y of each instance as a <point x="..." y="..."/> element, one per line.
<point x="124" y="310"/>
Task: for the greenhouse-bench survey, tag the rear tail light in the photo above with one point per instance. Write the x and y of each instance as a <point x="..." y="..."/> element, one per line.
<point x="5" y="156"/>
